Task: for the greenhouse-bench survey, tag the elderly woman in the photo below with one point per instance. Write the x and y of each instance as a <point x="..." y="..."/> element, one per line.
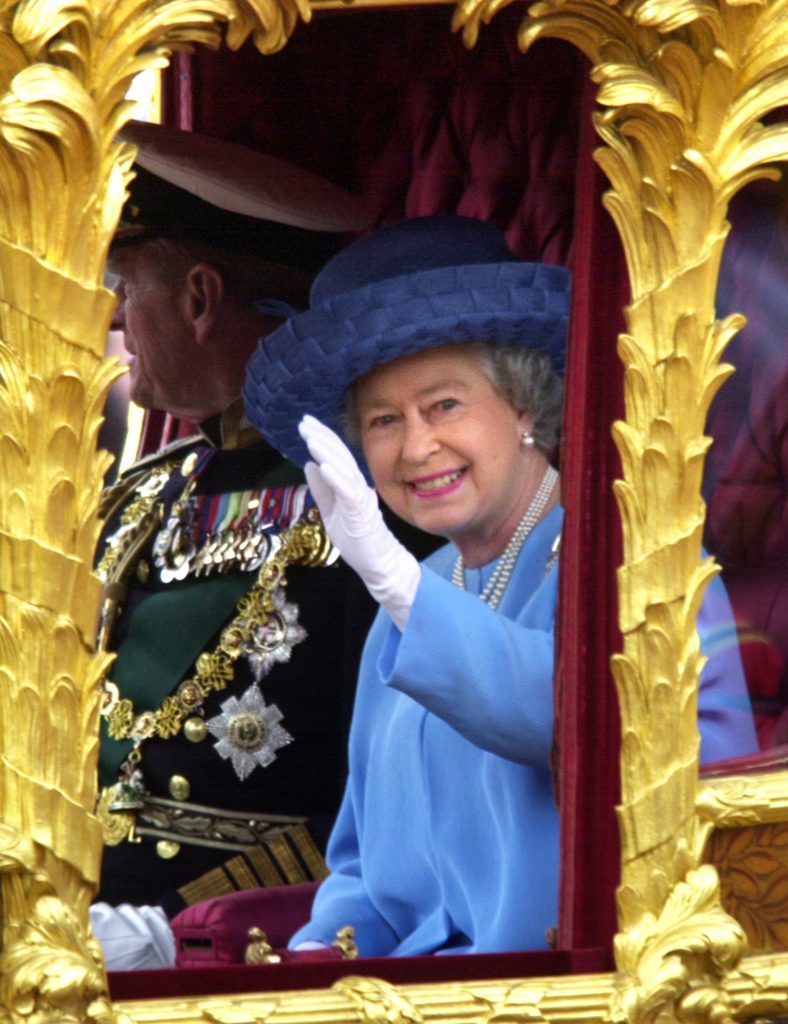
<point x="438" y="356"/>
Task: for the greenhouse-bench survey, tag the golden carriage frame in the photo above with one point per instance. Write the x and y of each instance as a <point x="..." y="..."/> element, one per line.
<point x="685" y="88"/>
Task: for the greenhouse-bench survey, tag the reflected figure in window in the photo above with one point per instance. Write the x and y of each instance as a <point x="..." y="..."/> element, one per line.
<point x="746" y="480"/>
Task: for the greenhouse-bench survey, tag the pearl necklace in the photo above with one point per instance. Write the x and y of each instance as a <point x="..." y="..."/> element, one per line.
<point x="497" y="583"/>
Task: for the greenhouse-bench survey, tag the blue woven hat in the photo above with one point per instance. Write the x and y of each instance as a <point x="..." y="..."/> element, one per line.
<point x="410" y="286"/>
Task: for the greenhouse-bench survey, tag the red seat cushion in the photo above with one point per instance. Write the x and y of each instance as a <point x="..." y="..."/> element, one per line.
<point x="214" y="933"/>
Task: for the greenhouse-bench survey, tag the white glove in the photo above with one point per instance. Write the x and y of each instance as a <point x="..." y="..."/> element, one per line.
<point x="133" y="938"/>
<point x="352" y="518"/>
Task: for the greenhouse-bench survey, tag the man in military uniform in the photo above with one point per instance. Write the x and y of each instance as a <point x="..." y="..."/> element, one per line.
<point x="236" y="628"/>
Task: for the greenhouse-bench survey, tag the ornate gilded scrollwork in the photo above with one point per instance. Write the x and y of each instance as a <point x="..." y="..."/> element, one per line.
<point x="65" y="68"/>
<point x="48" y="959"/>
<point x="759" y="991"/>
<point x="744" y="799"/>
<point x="378" y="1002"/>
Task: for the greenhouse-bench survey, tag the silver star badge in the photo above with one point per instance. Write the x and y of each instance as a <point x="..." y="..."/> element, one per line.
<point x="274" y="641"/>
<point x="248" y="732"/>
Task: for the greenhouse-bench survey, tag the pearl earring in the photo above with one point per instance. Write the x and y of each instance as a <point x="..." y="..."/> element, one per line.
<point x="527" y="439"/>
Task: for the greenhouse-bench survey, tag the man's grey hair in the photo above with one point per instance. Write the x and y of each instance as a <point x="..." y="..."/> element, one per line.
<point x="247" y="277"/>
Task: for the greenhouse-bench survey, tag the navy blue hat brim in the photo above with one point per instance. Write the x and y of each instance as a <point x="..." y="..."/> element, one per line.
<point x="308" y="364"/>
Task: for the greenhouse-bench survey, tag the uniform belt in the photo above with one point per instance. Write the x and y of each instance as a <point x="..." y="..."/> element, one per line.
<point x="196" y="825"/>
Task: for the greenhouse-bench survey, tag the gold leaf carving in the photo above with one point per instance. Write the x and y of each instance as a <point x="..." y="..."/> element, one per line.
<point x="48" y="957"/>
<point x="679" y="958"/>
<point x="744" y="799"/>
<point x="378" y="1002"/>
<point x="759" y="989"/>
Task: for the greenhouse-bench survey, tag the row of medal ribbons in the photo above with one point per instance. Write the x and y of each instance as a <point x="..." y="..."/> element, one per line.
<point x="218" y="533"/>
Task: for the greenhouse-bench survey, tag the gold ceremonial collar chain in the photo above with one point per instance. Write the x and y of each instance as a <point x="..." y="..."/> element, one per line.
<point x="305" y="543"/>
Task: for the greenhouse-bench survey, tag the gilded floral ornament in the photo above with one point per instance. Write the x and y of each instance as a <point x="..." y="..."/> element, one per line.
<point x="760" y="991"/>
<point x="736" y="800"/>
<point x="675" y="963"/>
<point x="48" y="959"/>
<point x="378" y="1001"/>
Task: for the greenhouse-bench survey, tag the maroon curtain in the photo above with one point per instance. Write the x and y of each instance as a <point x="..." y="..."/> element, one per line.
<point x="390" y="103"/>
<point x="588" y="724"/>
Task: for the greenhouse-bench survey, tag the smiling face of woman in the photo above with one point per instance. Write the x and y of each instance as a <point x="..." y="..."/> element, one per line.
<point x="444" y="449"/>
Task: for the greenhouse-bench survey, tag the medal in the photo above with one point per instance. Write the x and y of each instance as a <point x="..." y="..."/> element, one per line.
<point x="248" y="732"/>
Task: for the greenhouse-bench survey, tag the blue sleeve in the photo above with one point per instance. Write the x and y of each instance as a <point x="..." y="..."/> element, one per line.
<point x="491" y="677"/>
<point x="488" y="676"/>
<point x="725" y="719"/>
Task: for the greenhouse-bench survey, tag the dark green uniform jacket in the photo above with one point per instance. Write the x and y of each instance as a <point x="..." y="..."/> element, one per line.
<point x="210" y="779"/>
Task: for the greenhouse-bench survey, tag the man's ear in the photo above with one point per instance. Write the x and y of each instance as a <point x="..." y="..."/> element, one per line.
<point x="204" y="294"/>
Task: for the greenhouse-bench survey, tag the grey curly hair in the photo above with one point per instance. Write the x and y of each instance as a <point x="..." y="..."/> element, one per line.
<point x="526" y="378"/>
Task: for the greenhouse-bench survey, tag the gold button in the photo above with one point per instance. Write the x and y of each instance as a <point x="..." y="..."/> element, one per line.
<point x="195" y="730"/>
<point x="180" y="788"/>
<point x="188" y="464"/>
<point x="143" y="571"/>
<point x="167" y="849"/>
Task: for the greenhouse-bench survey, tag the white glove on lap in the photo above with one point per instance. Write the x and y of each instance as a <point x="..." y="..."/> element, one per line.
<point x="351" y="515"/>
<point x="133" y="938"/>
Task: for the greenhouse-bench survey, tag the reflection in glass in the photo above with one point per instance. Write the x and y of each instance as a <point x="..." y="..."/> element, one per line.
<point x="745" y="481"/>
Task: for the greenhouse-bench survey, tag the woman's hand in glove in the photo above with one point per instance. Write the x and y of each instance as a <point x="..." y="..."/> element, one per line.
<point x="351" y="515"/>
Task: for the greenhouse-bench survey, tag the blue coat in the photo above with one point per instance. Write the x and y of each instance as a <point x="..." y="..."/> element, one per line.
<point x="447" y="839"/>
